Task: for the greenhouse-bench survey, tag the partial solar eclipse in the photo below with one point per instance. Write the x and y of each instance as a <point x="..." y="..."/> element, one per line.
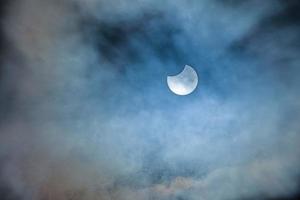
<point x="183" y="83"/>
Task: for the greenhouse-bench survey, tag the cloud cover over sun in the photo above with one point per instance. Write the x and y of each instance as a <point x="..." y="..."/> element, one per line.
<point x="86" y="112"/>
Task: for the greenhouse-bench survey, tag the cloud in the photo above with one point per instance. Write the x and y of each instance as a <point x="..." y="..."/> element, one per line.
<point x="90" y="115"/>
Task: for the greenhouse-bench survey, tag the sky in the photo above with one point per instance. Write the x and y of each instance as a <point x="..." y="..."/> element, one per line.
<point x="86" y="113"/>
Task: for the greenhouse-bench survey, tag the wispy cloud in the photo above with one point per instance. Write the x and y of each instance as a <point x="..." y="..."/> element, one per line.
<point x="90" y="115"/>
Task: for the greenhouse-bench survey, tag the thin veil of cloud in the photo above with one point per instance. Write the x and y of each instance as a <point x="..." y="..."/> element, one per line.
<point x="87" y="113"/>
